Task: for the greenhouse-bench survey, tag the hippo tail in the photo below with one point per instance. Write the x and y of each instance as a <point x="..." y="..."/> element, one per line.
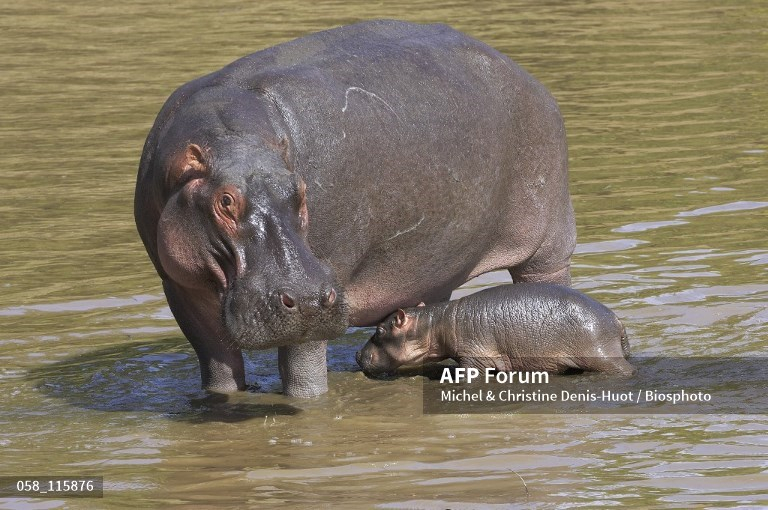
<point x="624" y="339"/>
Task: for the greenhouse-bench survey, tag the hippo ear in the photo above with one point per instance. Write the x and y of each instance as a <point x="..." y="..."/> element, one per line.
<point x="401" y="318"/>
<point x="188" y="164"/>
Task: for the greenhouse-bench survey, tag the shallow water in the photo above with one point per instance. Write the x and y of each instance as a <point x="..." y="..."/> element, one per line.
<point x="665" y="106"/>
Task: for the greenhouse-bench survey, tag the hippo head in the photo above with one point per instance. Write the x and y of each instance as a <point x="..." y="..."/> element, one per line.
<point x="398" y="341"/>
<point x="235" y="222"/>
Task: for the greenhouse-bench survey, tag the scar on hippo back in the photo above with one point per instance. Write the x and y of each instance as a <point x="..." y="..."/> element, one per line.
<point x="303" y="211"/>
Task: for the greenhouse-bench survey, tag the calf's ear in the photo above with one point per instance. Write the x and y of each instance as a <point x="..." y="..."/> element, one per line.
<point x="401" y="319"/>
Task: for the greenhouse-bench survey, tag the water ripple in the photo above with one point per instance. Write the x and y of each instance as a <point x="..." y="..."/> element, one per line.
<point x="742" y="205"/>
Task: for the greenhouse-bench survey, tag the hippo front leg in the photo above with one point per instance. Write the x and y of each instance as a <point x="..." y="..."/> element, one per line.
<point x="303" y="369"/>
<point x="221" y="363"/>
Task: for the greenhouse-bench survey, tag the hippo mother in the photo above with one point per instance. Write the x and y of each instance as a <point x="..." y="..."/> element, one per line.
<point x="330" y="180"/>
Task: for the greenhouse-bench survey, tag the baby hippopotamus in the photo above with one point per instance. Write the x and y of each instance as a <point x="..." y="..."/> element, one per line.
<point x="524" y="326"/>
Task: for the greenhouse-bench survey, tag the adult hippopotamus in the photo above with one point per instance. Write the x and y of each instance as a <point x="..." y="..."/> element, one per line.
<point x="528" y="326"/>
<point x="329" y="180"/>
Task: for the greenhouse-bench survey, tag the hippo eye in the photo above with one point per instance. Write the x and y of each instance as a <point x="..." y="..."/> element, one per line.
<point x="227" y="207"/>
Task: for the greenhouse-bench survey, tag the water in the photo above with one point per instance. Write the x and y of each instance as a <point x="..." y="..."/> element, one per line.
<point x="665" y="105"/>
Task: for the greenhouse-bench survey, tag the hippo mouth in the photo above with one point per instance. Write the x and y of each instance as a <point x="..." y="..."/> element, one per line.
<point x="256" y="321"/>
<point x="372" y="370"/>
<point x="381" y="376"/>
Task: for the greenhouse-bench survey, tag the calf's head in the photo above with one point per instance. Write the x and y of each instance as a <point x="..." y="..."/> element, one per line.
<point x="398" y="341"/>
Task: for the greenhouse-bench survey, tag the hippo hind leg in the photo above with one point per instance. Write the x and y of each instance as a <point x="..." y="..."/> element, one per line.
<point x="560" y="276"/>
<point x="616" y="364"/>
<point x="624" y="340"/>
<point x="551" y="262"/>
<point x="623" y="367"/>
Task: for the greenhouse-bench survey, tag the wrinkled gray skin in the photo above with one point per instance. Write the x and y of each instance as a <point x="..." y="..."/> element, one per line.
<point x="327" y="181"/>
<point x="530" y="326"/>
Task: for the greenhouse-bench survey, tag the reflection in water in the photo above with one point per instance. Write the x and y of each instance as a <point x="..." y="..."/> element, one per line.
<point x="607" y="246"/>
<point x="734" y="206"/>
<point x="647" y="225"/>
<point x="667" y="144"/>
<point x="80" y="305"/>
<point x="164" y="378"/>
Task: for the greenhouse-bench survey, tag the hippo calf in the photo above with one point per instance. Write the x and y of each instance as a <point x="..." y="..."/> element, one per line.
<point x="526" y="326"/>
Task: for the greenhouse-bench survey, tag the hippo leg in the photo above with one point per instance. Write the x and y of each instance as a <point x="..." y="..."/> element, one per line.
<point x="303" y="369"/>
<point x="221" y="363"/>
<point x="551" y="263"/>
<point x="560" y="276"/>
<point x="614" y="366"/>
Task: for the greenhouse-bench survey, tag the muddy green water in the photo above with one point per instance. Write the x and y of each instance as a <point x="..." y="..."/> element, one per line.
<point x="666" y="107"/>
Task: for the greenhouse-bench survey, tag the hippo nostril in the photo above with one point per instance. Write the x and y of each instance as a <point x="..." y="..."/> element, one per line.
<point x="288" y="301"/>
<point x="329" y="298"/>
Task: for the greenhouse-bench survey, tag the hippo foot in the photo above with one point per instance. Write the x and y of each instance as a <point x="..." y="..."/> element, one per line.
<point x="222" y="372"/>
<point x="303" y="369"/>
